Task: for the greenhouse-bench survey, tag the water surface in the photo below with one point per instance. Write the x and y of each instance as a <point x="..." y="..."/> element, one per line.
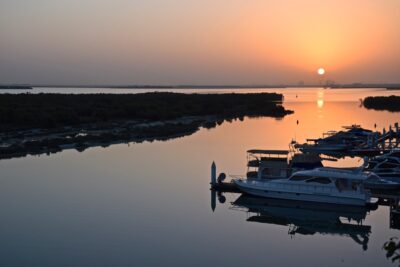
<point x="149" y="204"/>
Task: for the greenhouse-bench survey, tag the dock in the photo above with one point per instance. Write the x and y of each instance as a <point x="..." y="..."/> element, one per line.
<point x="218" y="184"/>
<point x="388" y="139"/>
<point x="228" y="187"/>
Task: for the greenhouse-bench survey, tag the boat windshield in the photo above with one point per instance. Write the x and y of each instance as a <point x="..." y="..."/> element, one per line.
<point x="297" y="177"/>
<point x="347" y="185"/>
<point x="320" y="180"/>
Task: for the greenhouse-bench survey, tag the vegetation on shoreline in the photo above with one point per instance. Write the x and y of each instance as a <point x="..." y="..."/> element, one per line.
<point x="390" y="103"/>
<point x="47" y="143"/>
<point x="23" y="111"/>
<point x="33" y="124"/>
<point x="16" y="87"/>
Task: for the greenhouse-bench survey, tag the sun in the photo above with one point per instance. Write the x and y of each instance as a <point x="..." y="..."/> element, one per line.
<point x="321" y="71"/>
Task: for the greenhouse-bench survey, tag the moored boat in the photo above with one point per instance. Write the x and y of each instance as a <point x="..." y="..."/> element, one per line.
<point x="353" y="137"/>
<point x="326" y="185"/>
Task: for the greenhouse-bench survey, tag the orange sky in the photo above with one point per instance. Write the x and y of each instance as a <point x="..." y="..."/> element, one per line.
<point x="199" y="42"/>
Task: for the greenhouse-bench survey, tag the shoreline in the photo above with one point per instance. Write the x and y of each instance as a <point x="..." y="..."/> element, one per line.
<point x="49" y="123"/>
<point x="388" y="86"/>
<point x="39" y="141"/>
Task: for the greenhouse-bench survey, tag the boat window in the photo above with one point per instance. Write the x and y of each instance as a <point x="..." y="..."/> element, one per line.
<point x="299" y="178"/>
<point x="354" y="185"/>
<point x="320" y="180"/>
<point x="341" y="184"/>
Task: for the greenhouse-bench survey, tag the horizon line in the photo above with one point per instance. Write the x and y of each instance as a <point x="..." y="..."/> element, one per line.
<point x="206" y="86"/>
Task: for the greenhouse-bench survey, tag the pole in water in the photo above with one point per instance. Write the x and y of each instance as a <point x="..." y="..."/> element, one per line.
<point x="383" y="139"/>
<point x="213" y="173"/>
<point x="213" y="200"/>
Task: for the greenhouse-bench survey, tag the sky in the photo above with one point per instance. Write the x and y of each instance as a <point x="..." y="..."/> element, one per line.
<point x="219" y="42"/>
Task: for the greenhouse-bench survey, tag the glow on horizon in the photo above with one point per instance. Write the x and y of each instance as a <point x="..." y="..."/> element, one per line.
<point x="175" y="42"/>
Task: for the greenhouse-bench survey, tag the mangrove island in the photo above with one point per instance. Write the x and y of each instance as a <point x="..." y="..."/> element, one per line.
<point x="48" y="123"/>
<point x="389" y="103"/>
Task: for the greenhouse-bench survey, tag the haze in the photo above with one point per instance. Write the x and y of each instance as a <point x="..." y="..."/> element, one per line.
<point x="199" y="42"/>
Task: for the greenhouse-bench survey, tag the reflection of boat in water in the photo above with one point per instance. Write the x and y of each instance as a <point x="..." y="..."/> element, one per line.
<point x="306" y="218"/>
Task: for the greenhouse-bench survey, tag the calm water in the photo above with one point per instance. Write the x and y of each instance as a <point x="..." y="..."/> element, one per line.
<point x="149" y="204"/>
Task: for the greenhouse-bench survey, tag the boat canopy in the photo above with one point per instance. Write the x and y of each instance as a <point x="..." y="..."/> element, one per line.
<point x="270" y="152"/>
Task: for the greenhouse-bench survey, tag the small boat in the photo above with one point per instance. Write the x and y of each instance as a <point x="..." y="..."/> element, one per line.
<point x="325" y="185"/>
<point x="321" y="146"/>
<point x="351" y="138"/>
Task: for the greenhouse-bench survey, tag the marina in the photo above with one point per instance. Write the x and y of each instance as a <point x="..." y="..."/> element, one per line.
<point x="199" y="133"/>
<point x="297" y="177"/>
<point x="142" y="202"/>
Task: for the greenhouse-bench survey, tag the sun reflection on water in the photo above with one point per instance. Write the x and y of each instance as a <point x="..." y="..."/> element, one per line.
<point x="320" y="103"/>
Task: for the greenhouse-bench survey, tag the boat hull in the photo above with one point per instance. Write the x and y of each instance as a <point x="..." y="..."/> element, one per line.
<point x="301" y="196"/>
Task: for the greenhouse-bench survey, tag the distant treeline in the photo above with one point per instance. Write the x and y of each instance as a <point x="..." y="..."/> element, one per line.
<point x="390" y="103"/>
<point x="53" y="110"/>
<point x="17" y="87"/>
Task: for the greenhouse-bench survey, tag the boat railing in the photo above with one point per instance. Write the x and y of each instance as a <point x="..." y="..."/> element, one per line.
<point x="238" y="177"/>
<point x="314" y="188"/>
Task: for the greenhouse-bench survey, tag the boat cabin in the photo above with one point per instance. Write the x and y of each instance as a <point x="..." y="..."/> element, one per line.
<point x="264" y="164"/>
<point x="278" y="164"/>
<point x="343" y="180"/>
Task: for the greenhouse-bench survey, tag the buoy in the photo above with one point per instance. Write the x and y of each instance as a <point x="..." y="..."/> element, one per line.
<point x="221" y="198"/>
<point x="221" y="177"/>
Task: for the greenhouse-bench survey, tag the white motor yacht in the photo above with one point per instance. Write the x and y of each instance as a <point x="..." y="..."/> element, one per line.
<point x="326" y="185"/>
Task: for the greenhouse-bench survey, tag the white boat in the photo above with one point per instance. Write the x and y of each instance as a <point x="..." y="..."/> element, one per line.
<point x="326" y="185"/>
